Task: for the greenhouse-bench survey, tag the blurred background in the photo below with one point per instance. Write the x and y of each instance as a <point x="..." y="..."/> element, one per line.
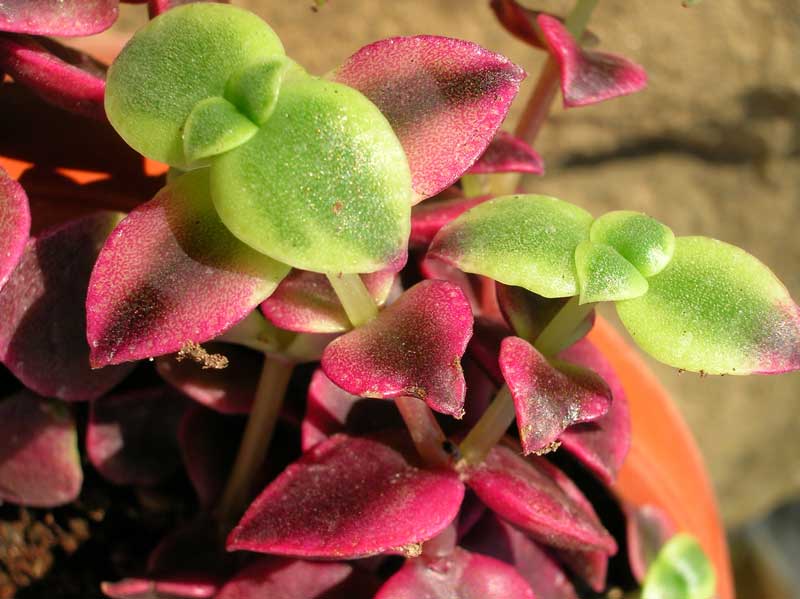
<point x="712" y="147"/>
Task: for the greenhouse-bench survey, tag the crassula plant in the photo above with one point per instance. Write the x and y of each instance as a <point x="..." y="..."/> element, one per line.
<point x="371" y="396"/>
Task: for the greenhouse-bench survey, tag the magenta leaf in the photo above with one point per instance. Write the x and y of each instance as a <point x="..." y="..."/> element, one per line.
<point x="508" y="154"/>
<point x="529" y="494"/>
<point x="588" y="77"/>
<point x="54" y="79"/>
<point x="132" y="437"/>
<point x="60" y="18"/>
<point x="15" y="224"/>
<point x="445" y="99"/>
<point x="461" y="574"/>
<point x="428" y="218"/>
<point x="157" y="7"/>
<point x="42" y="332"/>
<point x="600" y="445"/>
<point x="521" y="23"/>
<point x="549" y="397"/>
<point x="350" y="497"/>
<point x="648" y="529"/>
<point x="413" y="348"/>
<point x="39" y="461"/>
<point x="306" y="303"/>
<point x="196" y="586"/>
<point x="171" y="273"/>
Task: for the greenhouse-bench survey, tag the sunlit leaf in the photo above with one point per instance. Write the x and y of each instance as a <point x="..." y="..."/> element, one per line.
<point x="681" y="571"/>
<point x="61" y="18"/>
<point x="640" y="239"/>
<point x="604" y="275"/>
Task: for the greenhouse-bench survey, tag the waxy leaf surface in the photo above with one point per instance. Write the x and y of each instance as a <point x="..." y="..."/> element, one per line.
<point x="527" y="493"/>
<point x="53" y="79"/>
<point x="185" y="56"/>
<point x="648" y="530"/>
<point x="549" y="397"/>
<point x="523" y="240"/>
<point x="349" y="497"/>
<point x="508" y="154"/>
<point x="640" y="239"/>
<point x="681" y="571"/>
<point x="171" y="273"/>
<point x="429" y="217"/>
<point x="60" y="18"/>
<point x="461" y="574"/>
<point x="15" y="223"/>
<point x="605" y="276"/>
<point x="413" y="348"/>
<point x="42" y="332"/>
<point x="588" y="77"/>
<point x="445" y="99"/>
<point x="39" y="461"/>
<point x="716" y="309"/>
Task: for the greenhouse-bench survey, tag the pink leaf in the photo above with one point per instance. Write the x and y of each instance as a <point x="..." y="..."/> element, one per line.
<point x="197" y="586"/>
<point x="549" y="397"/>
<point x="413" y="348"/>
<point x="42" y="332"/>
<point x="54" y="79"/>
<point x="132" y="437"/>
<point x="428" y="218"/>
<point x="157" y="7"/>
<point x="528" y="493"/>
<point x="600" y="445"/>
<point x="305" y="301"/>
<point x="508" y="154"/>
<point x="39" y="461"/>
<point x="445" y="99"/>
<point x="521" y="23"/>
<point x="589" y="77"/>
<point x="349" y="497"/>
<point x="172" y="273"/>
<point x="15" y="224"/>
<point x="461" y="574"/>
<point x="61" y="18"/>
<point x="648" y="529"/>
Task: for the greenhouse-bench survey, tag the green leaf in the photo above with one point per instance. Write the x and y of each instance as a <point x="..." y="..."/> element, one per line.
<point x="604" y="275"/>
<point x="716" y="309"/>
<point x="214" y="126"/>
<point x="640" y="239"/>
<point x="681" y="571"/>
<point x="523" y="240"/>
<point x="255" y="89"/>
<point x="324" y="185"/>
<point x="178" y="59"/>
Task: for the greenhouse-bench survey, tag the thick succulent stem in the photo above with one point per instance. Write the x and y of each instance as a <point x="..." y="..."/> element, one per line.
<point x="558" y="332"/>
<point x="355" y="298"/>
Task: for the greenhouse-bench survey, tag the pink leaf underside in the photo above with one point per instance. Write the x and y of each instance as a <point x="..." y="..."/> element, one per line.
<point x="39" y="461"/>
<point x="331" y="410"/>
<point x="445" y="99"/>
<point x="494" y="537"/>
<point x="521" y="23"/>
<point x="157" y="7"/>
<point x="462" y="574"/>
<point x="228" y="390"/>
<point x="588" y="77"/>
<point x="549" y="397"/>
<point x="58" y="17"/>
<point x="350" y="497"/>
<point x="529" y="494"/>
<point x="508" y="154"/>
<point x="305" y="302"/>
<point x="132" y="437"/>
<point x="15" y="224"/>
<point x="429" y="217"/>
<point x="469" y="284"/>
<point x="600" y="445"/>
<point x="172" y="273"/>
<point x="413" y="348"/>
<point x="53" y="78"/>
<point x="42" y="332"/>
<point x="648" y="529"/>
<point x="281" y="578"/>
<point x="192" y="586"/>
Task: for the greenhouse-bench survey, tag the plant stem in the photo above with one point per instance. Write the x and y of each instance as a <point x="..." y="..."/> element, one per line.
<point x="272" y="384"/>
<point x="473" y="186"/>
<point x="425" y="431"/>
<point x="356" y="299"/>
<point x="557" y="334"/>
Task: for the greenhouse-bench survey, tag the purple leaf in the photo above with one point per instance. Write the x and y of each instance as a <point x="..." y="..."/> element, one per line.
<point x="132" y="437"/>
<point x="521" y="23"/>
<point x="42" y="332"/>
<point x="15" y="224"/>
<point x="350" y="497"/>
<point x="591" y="566"/>
<point x="508" y="154"/>
<point x="61" y="18"/>
<point x="445" y="99"/>
<point x="549" y="397"/>
<point x="428" y="218"/>
<point x="171" y="273"/>
<point x="228" y="390"/>
<point x="54" y="79"/>
<point x="461" y="574"/>
<point x="600" y="445"/>
<point x="648" y="529"/>
<point x="39" y="461"/>
<point x="589" y="77"/>
<point x="157" y="7"/>
<point x="529" y="494"/>
<point x="306" y="303"/>
<point x="413" y="348"/>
